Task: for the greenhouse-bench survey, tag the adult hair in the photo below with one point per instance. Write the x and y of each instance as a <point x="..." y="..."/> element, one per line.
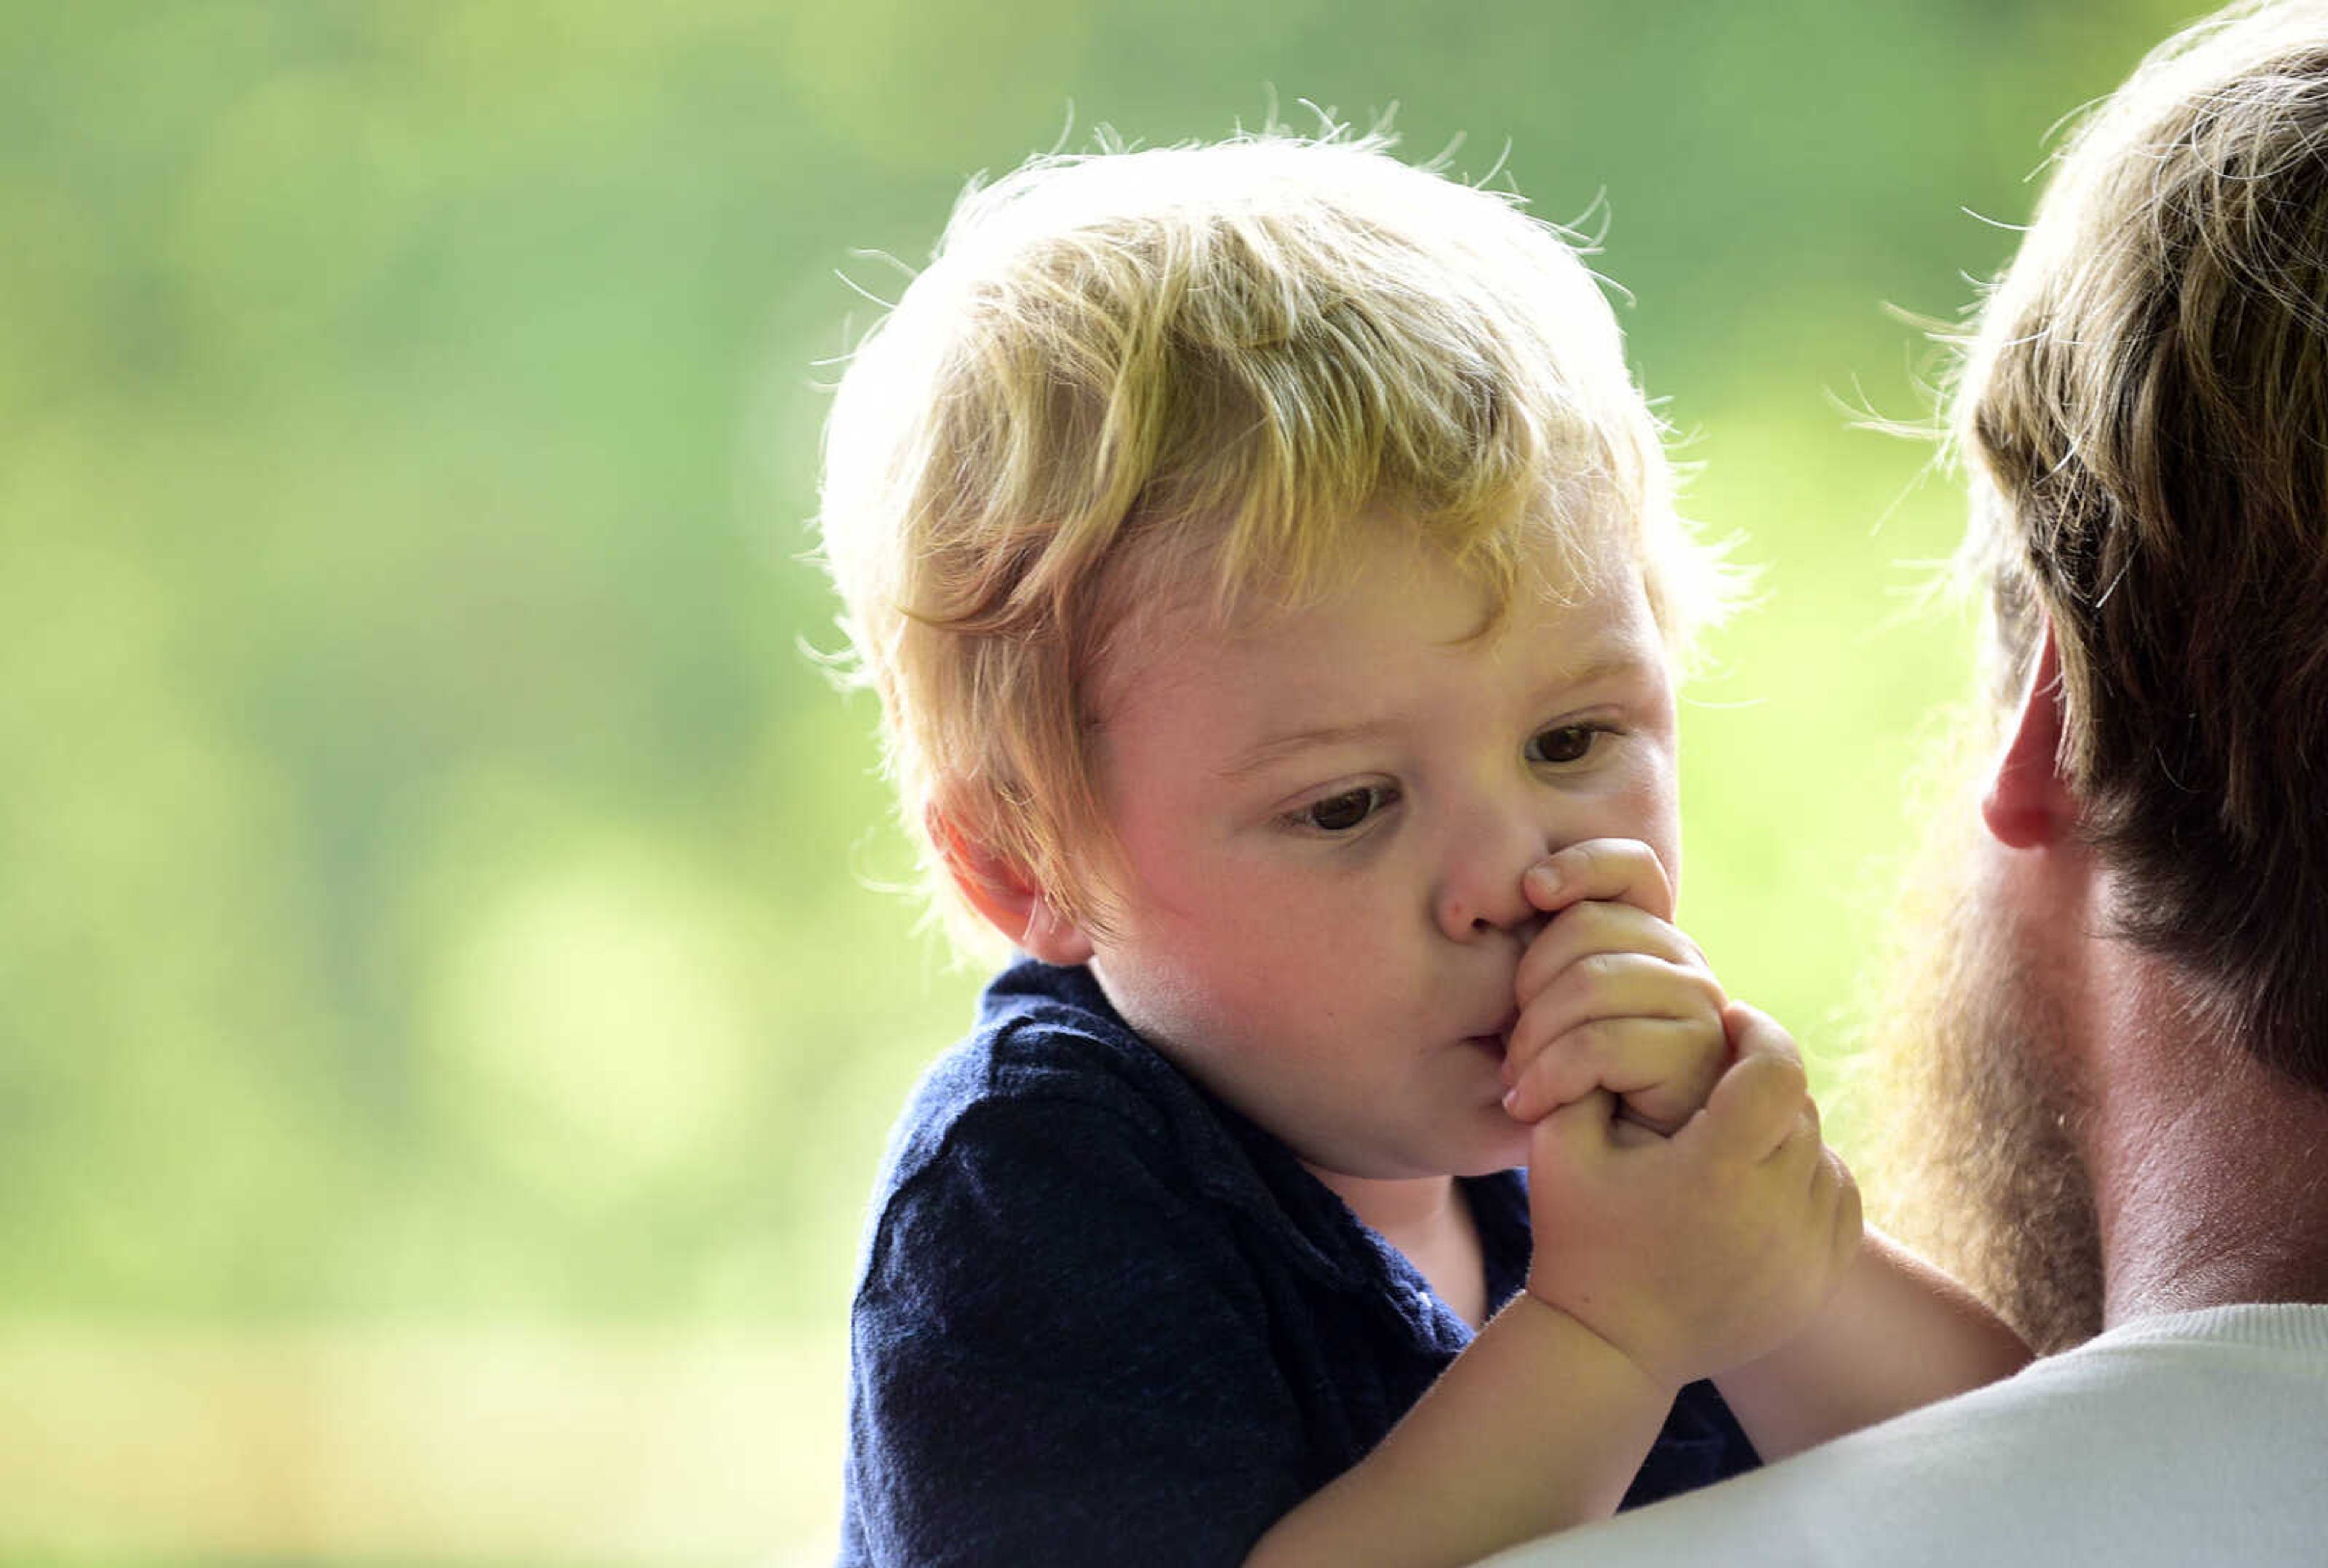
<point x="2146" y="401"/>
<point x="1209" y="369"/>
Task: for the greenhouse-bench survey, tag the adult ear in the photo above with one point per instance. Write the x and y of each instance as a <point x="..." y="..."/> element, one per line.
<point x="1006" y="897"/>
<point x="2029" y="804"/>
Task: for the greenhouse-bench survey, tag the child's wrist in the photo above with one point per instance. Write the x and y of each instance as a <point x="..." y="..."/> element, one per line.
<point x="1588" y="1340"/>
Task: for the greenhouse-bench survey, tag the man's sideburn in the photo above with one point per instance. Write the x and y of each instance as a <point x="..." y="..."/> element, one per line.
<point x="1973" y="1157"/>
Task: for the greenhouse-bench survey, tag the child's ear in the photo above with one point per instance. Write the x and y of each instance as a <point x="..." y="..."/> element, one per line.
<point x="2029" y="804"/>
<point x="1006" y="897"/>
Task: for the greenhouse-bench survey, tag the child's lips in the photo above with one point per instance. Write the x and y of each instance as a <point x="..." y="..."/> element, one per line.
<point x="1497" y="1040"/>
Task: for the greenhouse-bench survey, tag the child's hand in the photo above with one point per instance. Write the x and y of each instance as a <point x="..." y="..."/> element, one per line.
<point x="1612" y="995"/>
<point x="1694" y="1253"/>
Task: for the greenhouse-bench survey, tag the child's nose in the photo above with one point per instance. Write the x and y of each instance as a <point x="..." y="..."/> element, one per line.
<point x="1462" y="915"/>
<point x="1480" y="891"/>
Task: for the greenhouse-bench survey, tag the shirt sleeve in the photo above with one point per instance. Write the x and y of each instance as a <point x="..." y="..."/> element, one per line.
<point x="1060" y="1357"/>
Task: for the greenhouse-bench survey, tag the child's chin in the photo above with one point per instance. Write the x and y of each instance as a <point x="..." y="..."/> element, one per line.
<point x="1500" y="1149"/>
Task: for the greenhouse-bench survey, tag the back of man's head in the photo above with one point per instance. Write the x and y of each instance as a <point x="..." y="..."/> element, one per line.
<point x="2146" y="404"/>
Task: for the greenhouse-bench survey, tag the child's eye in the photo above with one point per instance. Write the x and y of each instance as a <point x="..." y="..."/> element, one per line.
<point x="1341" y="812"/>
<point x="1566" y="743"/>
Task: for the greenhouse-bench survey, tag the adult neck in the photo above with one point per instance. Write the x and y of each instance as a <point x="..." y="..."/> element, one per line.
<point x="2209" y="1178"/>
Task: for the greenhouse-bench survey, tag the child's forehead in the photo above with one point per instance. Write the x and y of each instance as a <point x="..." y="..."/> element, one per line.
<point x="1399" y="598"/>
<point x="1403" y="576"/>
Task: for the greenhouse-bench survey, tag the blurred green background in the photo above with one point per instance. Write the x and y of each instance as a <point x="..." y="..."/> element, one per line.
<point x="448" y="1014"/>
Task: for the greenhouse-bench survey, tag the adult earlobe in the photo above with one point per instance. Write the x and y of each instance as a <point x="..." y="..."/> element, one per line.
<point x="2029" y="804"/>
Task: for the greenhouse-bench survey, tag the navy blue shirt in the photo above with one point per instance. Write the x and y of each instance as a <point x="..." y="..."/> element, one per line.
<point x="1103" y="1318"/>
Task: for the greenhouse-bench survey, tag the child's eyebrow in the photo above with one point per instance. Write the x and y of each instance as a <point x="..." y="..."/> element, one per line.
<point x="1279" y="747"/>
<point x="1609" y="666"/>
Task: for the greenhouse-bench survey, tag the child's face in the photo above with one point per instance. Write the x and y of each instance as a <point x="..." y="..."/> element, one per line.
<point x="1325" y="815"/>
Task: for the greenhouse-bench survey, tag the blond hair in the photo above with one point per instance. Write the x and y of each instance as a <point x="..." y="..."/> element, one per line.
<point x="1127" y="372"/>
<point x="2146" y="401"/>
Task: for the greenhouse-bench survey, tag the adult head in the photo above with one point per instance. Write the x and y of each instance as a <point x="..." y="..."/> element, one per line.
<point x="2146" y="409"/>
<point x="2144" y="412"/>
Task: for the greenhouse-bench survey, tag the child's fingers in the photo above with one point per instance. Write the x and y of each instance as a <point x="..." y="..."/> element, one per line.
<point x="1763" y="1099"/>
<point x="1569" y="1146"/>
<point x="1615" y="985"/>
<point x="1624" y="870"/>
<point x="1598" y="925"/>
<point x="1803" y="1170"/>
<point x="1663" y="1067"/>
<point x="1800" y="1162"/>
<point x="1598" y="970"/>
<point x="1579" y="1033"/>
<point x="1834" y="1220"/>
<point x="1755" y="1034"/>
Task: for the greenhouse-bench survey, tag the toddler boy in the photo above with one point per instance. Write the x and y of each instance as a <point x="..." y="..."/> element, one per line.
<point x="1271" y="577"/>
